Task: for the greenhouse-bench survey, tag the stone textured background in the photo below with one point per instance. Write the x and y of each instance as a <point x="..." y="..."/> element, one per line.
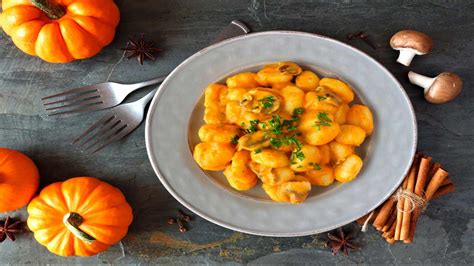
<point x="445" y="232"/>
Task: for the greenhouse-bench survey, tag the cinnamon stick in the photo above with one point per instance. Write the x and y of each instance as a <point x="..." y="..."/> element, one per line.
<point x="408" y="205"/>
<point x="443" y="190"/>
<point x="422" y="176"/>
<point x="431" y="188"/>
<point x="391" y="231"/>
<point x="384" y="213"/>
<point x="391" y="220"/>
<point x="400" y="203"/>
<point x="432" y="171"/>
<point x="435" y="183"/>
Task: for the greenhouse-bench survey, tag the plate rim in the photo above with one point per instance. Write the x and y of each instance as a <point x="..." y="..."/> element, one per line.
<point x="156" y="169"/>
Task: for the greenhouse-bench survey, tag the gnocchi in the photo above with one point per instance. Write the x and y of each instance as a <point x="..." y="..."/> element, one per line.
<point x="284" y="127"/>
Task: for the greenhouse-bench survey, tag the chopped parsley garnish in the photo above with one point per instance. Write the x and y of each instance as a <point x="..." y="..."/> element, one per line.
<point x="292" y="128"/>
<point x="321" y="98"/>
<point x="289" y="124"/>
<point x="234" y="140"/>
<point x="275" y="125"/>
<point x="258" y="151"/>
<point x="298" y="154"/>
<point x="298" y="111"/>
<point x="254" y="123"/>
<point x="288" y="140"/>
<point x="316" y="166"/>
<point x="267" y="102"/>
<point x="253" y="126"/>
<point x="275" y="142"/>
<point x="323" y="120"/>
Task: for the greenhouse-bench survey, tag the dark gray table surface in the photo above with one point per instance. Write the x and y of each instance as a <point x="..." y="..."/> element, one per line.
<point x="445" y="233"/>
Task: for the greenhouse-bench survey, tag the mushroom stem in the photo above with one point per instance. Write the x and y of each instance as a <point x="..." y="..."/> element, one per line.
<point x="420" y="80"/>
<point x="405" y="56"/>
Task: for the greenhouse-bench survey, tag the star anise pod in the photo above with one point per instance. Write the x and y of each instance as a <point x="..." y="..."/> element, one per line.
<point x="181" y="221"/>
<point x="9" y="229"/>
<point x="340" y="242"/>
<point x="140" y="48"/>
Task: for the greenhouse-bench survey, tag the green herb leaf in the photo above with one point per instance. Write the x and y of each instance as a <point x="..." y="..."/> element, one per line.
<point x="298" y="154"/>
<point x="275" y="142"/>
<point x="298" y="111"/>
<point x="267" y="102"/>
<point x="254" y="123"/>
<point x="289" y="140"/>
<point x="321" y="98"/>
<point x="253" y="126"/>
<point x="258" y="151"/>
<point x="323" y="120"/>
<point x="275" y="125"/>
<point x="316" y="166"/>
<point x="292" y="128"/>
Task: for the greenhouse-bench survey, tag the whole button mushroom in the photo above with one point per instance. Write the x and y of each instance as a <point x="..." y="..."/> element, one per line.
<point x="440" y="89"/>
<point x="410" y="43"/>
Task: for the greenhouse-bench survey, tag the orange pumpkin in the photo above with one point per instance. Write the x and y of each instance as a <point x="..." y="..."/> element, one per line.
<point x="19" y="179"/>
<point x="81" y="216"/>
<point x="60" y="31"/>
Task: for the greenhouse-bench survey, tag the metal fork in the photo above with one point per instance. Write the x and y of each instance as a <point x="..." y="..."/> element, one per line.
<point x="122" y="120"/>
<point x="114" y="125"/>
<point x="109" y="94"/>
<point x="92" y="98"/>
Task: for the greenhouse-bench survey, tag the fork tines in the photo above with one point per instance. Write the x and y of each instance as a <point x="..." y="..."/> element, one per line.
<point x="73" y="101"/>
<point x="105" y="131"/>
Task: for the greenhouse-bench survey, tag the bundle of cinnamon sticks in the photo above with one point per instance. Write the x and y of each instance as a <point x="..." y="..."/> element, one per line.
<point x="396" y="218"/>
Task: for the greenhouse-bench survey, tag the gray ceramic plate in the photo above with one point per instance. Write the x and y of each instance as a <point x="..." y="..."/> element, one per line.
<point x="176" y="113"/>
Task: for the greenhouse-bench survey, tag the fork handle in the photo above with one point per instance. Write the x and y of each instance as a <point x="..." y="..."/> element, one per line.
<point x="145" y="99"/>
<point x="140" y="85"/>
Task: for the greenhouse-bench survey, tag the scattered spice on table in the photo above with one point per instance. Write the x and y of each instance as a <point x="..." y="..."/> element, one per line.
<point x="9" y="228"/>
<point x="341" y="242"/>
<point x="181" y="221"/>
<point x="141" y="48"/>
<point x="363" y="36"/>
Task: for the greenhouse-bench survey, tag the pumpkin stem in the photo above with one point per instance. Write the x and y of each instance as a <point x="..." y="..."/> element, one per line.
<point x="72" y="221"/>
<point x="52" y="10"/>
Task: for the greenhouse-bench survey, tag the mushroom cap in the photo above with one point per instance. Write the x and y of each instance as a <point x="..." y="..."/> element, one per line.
<point x="445" y="88"/>
<point x="411" y="39"/>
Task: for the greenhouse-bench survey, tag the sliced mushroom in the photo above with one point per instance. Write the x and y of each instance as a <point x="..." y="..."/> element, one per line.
<point x="254" y="141"/>
<point x="289" y="68"/>
<point x="328" y="95"/>
<point x="441" y="89"/>
<point x="260" y="101"/>
<point x="410" y="43"/>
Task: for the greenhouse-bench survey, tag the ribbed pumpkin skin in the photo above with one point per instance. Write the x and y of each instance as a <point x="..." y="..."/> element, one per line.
<point x="19" y="179"/>
<point x="87" y="27"/>
<point x="103" y="207"/>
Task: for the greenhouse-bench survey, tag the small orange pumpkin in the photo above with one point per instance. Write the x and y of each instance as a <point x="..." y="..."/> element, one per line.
<point x="81" y="216"/>
<point x="60" y="31"/>
<point x="19" y="179"/>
